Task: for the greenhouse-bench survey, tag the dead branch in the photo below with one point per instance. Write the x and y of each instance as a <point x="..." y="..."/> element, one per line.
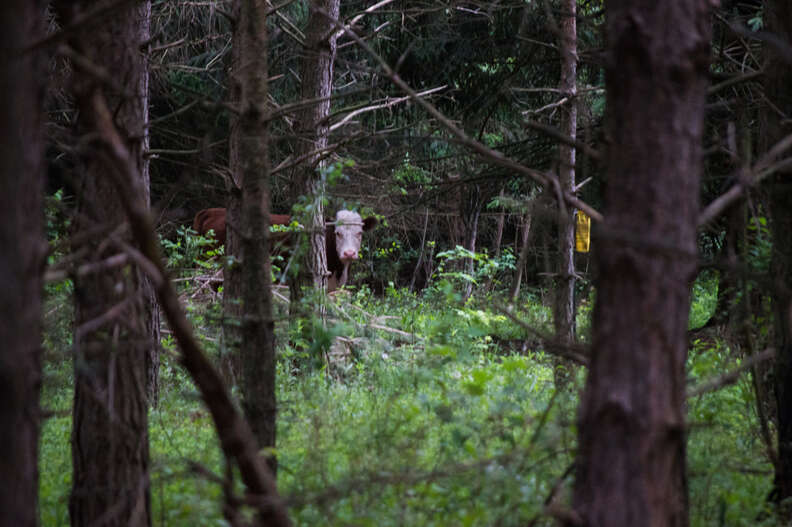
<point x="56" y="275"/>
<point x="577" y="354"/>
<point x="367" y="11"/>
<point x="490" y="155"/>
<point x="733" y="376"/>
<point x="387" y="104"/>
<point x="734" y="80"/>
<point x="765" y="166"/>
<point x="111" y="314"/>
<point x="94" y="70"/>
<point x="563" y="138"/>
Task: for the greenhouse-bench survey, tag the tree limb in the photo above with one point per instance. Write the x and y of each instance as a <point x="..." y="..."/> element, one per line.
<point x="731" y="377"/>
<point x="765" y="166"/>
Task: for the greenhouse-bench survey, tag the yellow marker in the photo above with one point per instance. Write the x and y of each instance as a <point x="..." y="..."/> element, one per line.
<point x="582" y="232"/>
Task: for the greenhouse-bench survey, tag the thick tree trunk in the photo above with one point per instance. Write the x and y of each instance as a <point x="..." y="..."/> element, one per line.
<point x="778" y="79"/>
<point x="631" y="466"/>
<point x="22" y="264"/>
<point x="313" y="129"/>
<point x="564" y="313"/>
<point x="112" y="344"/>
<point x="235" y="436"/>
<point x="257" y="352"/>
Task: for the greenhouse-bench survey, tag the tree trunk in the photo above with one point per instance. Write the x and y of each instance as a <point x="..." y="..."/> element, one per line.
<point x="421" y="254"/>
<point x="564" y="312"/>
<point x="525" y="231"/>
<point x="496" y="246"/>
<point x="151" y="313"/>
<point x="232" y="272"/>
<point x="631" y="466"/>
<point x="21" y="267"/>
<point x="313" y="129"/>
<point x="733" y="249"/>
<point x="257" y="352"/>
<point x="112" y="343"/>
<point x="235" y="436"/>
<point x="470" y="214"/>
<point x="778" y="79"/>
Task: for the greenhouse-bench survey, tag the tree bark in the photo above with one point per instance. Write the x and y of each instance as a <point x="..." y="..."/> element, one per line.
<point x="471" y="212"/>
<point x="525" y="233"/>
<point x="112" y="340"/>
<point x="313" y="127"/>
<point x="631" y="466"/>
<point x="151" y="312"/>
<point x="257" y="351"/>
<point x="22" y="264"/>
<point x="564" y="313"/>
<point x="421" y="254"/>
<point x="236" y="437"/>
<point x="778" y="79"/>
<point x="232" y="272"/>
<point x="496" y="245"/>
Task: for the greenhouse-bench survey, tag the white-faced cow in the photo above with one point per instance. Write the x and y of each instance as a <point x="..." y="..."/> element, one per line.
<point x="343" y="237"/>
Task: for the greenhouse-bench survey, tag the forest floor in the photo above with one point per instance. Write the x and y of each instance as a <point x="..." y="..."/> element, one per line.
<point x="425" y="411"/>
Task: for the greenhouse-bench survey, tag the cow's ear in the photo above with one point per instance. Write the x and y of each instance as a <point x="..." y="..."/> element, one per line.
<point x="369" y="223"/>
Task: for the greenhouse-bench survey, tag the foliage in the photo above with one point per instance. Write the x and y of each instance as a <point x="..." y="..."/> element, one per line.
<point x="759" y="244"/>
<point x="191" y="249"/>
<point x="438" y="423"/>
<point x="704" y="299"/>
<point x="730" y="475"/>
<point x="484" y="266"/>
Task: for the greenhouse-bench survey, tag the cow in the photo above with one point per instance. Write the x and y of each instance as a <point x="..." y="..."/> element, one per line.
<point x="342" y="237"/>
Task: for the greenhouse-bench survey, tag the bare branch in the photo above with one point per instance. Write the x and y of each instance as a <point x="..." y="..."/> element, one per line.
<point x="493" y="156"/>
<point x="557" y="135"/>
<point x="93" y="70"/>
<point x="56" y="275"/>
<point x="733" y="376"/>
<point x="765" y="166"/>
<point x="387" y="104"/>
<point x="574" y="353"/>
<point x="368" y="10"/>
<point x="734" y="80"/>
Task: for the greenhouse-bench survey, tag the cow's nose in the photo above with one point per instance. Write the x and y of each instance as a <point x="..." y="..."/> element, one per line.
<point x="350" y="255"/>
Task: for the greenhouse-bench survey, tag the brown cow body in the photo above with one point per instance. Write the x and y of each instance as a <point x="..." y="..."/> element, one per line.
<point x="342" y="237"/>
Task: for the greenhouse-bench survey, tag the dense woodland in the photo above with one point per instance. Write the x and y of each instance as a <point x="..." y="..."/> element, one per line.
<point x="486" y="362"/>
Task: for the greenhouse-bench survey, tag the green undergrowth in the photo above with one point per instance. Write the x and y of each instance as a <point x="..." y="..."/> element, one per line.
<point x="433" y="411"/>
<point x="729" y="473"/>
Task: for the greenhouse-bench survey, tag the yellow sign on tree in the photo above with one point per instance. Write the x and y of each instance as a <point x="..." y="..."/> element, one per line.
<point x="582" y="232"/>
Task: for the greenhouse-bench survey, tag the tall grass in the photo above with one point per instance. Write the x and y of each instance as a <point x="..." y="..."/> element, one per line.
<point x="442" y="422"/>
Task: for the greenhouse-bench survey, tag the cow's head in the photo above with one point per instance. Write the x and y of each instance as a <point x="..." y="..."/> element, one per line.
<point x="349" y="228"/>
